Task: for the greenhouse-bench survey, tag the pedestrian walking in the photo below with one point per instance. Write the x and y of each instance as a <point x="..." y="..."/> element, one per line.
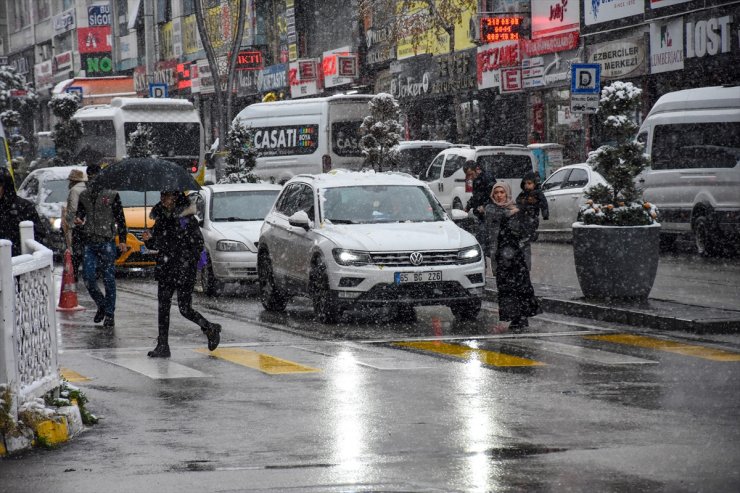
<point x="14" y="210"/>
<point x="100" y="214"/>
<point x="73" y="233"/>
<point x="177" y="238"/>
<point x="480" y="198"/>
<point x="531" y="201"/>
<point x="506" y="229"/>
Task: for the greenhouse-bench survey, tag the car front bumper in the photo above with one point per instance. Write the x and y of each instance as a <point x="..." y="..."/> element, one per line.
<point x="234" y="266"/>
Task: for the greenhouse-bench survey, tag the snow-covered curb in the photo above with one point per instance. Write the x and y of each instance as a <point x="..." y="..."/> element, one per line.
<point x="65" y="423"/>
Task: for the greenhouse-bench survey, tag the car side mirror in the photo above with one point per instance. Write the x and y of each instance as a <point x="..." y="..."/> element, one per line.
<point x="458" y="215"/>
<point x="300" y="220"/>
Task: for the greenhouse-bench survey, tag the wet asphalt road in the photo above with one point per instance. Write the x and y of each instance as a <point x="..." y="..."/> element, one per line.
<point x="372" y="404"/>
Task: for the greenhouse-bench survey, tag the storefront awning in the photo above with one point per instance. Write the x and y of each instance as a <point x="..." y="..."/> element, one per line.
<point x="99" y="90"/>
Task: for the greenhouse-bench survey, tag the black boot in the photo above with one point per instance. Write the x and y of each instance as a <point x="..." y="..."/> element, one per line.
<point x="162" y="350"/>
<point x="213" y="333"/>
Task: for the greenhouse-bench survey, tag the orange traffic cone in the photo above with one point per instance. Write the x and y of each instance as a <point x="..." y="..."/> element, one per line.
<point x="68" y="292"/>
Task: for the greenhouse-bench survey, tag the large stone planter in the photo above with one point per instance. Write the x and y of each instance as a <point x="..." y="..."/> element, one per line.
<point x="616" y="262"/>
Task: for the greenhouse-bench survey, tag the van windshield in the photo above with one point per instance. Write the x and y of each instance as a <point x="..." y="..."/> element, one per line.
<point x="506" y="165"/>
<point x="171" y="138"/>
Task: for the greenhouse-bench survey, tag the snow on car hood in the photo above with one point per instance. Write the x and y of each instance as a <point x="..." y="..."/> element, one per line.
<point x="438" y="235"/>
<point x="245" y="231"/>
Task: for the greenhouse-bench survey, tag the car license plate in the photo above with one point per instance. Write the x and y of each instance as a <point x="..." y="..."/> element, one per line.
<point x="406" y="277"/>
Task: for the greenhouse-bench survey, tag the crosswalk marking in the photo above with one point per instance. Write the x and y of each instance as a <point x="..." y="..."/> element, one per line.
<point x="259" y="361"/>
<point x="155" y="368"/>
<point x="589" y="354"/>
<point x="72" y="376"/>
<point x="491" y="358"/>
<point x="371" y="358"/>
<point x="669" y="346"/>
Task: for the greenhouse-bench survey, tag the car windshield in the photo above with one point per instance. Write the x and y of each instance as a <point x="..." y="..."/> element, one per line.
<point x="138" y="199"/>
<point x="380" y="204"/>
<point x="242" y="205"/>
<point x="55" y="191"/>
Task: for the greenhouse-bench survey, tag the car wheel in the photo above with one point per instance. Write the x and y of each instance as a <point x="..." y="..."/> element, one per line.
<point x="466" y="310"/>
<point x="405" y="313"/>
<point x="707" y="238"/>
<point x="457" y="204"/>
<point x="211" y="286"/>
<point x="273" y="299"/>
<point x="325" y="307"/>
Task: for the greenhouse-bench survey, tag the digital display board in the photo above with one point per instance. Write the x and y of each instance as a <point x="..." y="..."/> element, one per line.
<point x="501" y="28"/>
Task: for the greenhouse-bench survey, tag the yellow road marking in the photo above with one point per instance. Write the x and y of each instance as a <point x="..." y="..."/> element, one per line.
<point x="73" y="376"/>
<point x="669" y="346"/>
<point x="259" y="361"/>
<point x="491" y="358"/>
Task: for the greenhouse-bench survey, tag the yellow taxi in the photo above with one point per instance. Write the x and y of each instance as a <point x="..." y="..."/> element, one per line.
<point x="136" y="208"/>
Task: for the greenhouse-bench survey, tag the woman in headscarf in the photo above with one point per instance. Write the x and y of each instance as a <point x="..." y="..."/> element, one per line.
<point x="506" y="235"/>
<point x="177" y="238"/>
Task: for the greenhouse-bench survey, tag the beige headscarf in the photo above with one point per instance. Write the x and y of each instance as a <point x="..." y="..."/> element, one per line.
<point x="508" y="203"/>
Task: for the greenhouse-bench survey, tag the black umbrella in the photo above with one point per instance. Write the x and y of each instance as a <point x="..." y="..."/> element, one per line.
<point x="146" y="175"/>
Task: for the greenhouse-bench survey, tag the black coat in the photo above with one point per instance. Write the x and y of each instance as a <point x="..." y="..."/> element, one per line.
<point x="13" y="210"/>
<point x="481" y="196"/>
<point x="532" y="203"/>
<point x="177" y="238"/>
<point x="516" y="297"/>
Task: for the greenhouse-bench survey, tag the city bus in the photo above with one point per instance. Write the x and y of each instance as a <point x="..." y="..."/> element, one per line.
<point x="175" y="123"/>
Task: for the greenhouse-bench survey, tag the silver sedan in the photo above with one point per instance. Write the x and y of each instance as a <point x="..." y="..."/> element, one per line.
<point x="564" y="191"/>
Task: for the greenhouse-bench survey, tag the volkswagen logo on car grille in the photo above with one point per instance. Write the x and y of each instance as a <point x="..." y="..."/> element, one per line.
<point x="416" y="258"/>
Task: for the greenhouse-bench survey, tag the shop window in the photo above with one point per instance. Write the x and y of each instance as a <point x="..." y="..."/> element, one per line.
<point x="42" y="9"/>
<point x="19" y="15"/>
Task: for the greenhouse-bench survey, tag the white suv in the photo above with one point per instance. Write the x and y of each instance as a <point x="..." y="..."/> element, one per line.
<point x="352" y="239"/>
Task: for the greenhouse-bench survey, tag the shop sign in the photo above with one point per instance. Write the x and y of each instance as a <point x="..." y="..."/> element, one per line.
<point x="288" y="140"/>
<point x="300" y="86"/>
<point x="598" y="11"/>
<point x="194" y="79"/>
<point x="128" y="46"/>
<point x="97" y="64"/>
<point x="708" y="37"/>
<point x="63" y="62"/>
<point x="65" y="21"/>
<point x="141" y="84"/>
<point x="166" y="73"/>
<point x="330" y="67"/>
<point x="511" y="80"/>
<point x="98" y="15"/>
<point x="550" y="70"/>
<point x="273" y="78"/>
<point x="549" y="44"/>
<point x="183" y="76"/>
<point x="492" y="57"/>
<point x="177" y="37"/>
<point x="454" y="73"/>
<point x="43" y="75"/>
<point x="379" y="45"/>
<point x="94" y="39"/>
<point x="205" y="77"/>
<point x="509" y="6"/>
<point x="666" y="46"/>
<point x="412" y="78"/>
<point x="20" y="64"/>
<point x="656" y="4"/>
<point x="190" y="39"/>
<point x="550" y="17"/>
<point x="624" y="58"/>
<point x="246" y="82"/>
<point x="166" y="49"/>
<point x="249" y="60"/>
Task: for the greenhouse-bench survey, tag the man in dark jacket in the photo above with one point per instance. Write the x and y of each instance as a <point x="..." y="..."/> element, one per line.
<point x="177" y="238"/>
<point x="100" y="214"/>
<point x="482" y="184"/>
<point x="13" y="210"/>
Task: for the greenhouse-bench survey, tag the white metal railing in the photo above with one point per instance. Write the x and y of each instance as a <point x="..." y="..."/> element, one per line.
<point x="28" y="335"/>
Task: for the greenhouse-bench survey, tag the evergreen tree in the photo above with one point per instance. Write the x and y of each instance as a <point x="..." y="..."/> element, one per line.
<point x="381" y="131"/>
<point x="141" y="142"/>
<point x="16" y="111"/>
<point x="66" y="132"/>
<point x="241" y="156"/>
<point x="620" y="202"/>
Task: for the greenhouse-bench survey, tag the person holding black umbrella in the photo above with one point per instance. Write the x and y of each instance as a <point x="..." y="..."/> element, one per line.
<point x="177" y="238"/>
<point x="100" y="214"/>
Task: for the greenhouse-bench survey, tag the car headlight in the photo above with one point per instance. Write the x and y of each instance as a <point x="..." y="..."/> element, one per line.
<point x="469" y="255"/>
<point x="351" y="257"/>
<point x="56" y="223"/>
<point x="231" y="246"/>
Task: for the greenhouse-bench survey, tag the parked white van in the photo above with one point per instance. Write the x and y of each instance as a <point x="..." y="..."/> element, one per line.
<point x="175" y="123"/>
<point x="693" y="140"/>
<point x="306" y="135"/>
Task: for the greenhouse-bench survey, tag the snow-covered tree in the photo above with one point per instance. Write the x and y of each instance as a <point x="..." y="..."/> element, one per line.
<point x="18" y="101"/>
<point x="67" y="132"/>
<point x="620" y="202"/>
<point x="381" y="131"/>
<point x="141" y="142"/>
<point x="241" y="156"/>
